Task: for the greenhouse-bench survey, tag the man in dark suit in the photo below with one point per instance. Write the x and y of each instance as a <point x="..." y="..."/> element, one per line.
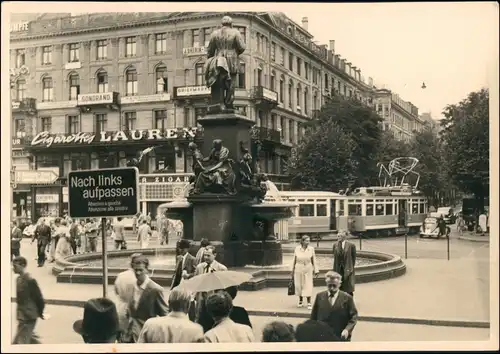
<point x="344" y="261"/>
<point x="335" y="307"/>
<point x="186" y="264"/>
<point x="42" y="234"/>
<point x="30" y="303"/>
<point x="16" y="236"/>
<point x="148" y="300"/>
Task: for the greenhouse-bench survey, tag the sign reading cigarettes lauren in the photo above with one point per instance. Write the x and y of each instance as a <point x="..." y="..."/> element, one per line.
<point x="103" y="193"/>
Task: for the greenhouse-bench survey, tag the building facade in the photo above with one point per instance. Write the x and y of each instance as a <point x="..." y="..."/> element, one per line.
<point x="400" y="117"/>
<point x="95" y="90"/>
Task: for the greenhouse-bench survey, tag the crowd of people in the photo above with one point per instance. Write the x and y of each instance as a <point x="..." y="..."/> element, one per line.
<point x="141" y="314"/>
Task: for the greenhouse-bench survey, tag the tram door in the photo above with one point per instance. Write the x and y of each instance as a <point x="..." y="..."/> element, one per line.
<point x="402" y="212"/>
<point x="333" y="215"/>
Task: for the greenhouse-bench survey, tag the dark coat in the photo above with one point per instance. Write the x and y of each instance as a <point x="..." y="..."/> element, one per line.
<point x="238" y="315"/>
<point x="43" y="233"/>
<point x="189" y="267"/>
<point x="15" y="238"/>
<point x="342" y="315"/>
<point x="29" y="299"/>
<point x="344" y="261"/>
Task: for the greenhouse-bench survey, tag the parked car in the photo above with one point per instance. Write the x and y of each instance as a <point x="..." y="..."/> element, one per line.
<point x="430" y="227"/>
<point x="447" y="213"/>
<point x="29" y="231"/>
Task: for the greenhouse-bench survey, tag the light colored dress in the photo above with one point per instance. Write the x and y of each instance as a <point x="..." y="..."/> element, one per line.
<point x="143" y="235"/>
<point x="304" y="270"/>
<point x="63" y="247"/>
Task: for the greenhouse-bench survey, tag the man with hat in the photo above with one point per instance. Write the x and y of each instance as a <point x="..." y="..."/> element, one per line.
<point x="344" y="262"/>
<point x="100" y="322"/>
<point x="186" y="264"/>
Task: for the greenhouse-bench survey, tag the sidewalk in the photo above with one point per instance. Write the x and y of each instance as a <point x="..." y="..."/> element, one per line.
<point x="430" y="292"/>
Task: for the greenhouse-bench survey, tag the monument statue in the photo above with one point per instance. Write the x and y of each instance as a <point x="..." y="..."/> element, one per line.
<point x="213" y="173"/>
<point x="250" y="182"/>
<point x="222" y="66"/>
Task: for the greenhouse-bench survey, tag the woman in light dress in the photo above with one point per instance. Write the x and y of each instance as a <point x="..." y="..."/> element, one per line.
<point x="304" y="269"/>
<point x="63" y="247"/>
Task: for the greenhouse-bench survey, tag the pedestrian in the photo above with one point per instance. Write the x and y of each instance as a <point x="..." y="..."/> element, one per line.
<point x="43" y="236"/>
<point x="179" y="228"/>
<point x="83" y="237"/>
<point x="147" y="301"/>
<point x="73" y="235"/>
<point x="63" y="247"/>
<point x="225" y="330"/>
<point x="100" y="322"/>
<point x="119" y="233"/>
<point x="441" y="226"/>
<point x="203" y="246"/>
<point x="185" y="265"/>
<point x="335" y="307"/>
<point x="91" y="229"/>
<point x="124" y="288"/>
<point x="483" y="223"/>
<point x="174" y="327"/>
<point x="344" y="262"/>
<point x="166" y="228"/>
<point x="148" y="219"/>
<point x="315" y="331"/>
<point x="304" y="269"/>
<point x="143" y="234"/>
<point x="30" y="303"/>
<point x="16" y="235"/>
<point x="55" y="239"/>
<point x="278" y="331"/>
<point x="460" y="224"/>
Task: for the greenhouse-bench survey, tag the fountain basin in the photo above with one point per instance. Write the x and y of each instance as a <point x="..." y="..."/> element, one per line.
<point x="87" y="268"/>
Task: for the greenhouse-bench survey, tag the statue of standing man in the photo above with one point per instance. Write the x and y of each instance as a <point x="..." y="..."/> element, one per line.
<point x="222" y="66"/>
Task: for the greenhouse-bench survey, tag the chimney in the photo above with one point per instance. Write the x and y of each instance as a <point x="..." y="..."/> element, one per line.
<point x="332" y="45"/>
<point x="305" y="23"/>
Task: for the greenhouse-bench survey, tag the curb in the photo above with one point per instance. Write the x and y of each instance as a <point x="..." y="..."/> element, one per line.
<point x="286" y="314"/>
<point x="483" y="239"/>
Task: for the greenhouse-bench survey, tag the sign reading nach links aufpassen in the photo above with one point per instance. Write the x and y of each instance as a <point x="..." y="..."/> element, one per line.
<point x="103" y="193"/>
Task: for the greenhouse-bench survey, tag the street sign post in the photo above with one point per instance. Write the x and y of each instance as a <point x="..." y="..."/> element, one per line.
<point x="101" y="194"/>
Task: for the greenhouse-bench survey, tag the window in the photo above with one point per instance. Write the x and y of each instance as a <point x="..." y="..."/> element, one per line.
<point x="20" y="57"/>
<point x="199" y="112"/>
<point x="306" y="210"/>
<point x="74" y="87"/>
<point x="242" y="76"/>
<point x="298" y="94"/>
<point x="130" y="46"/>
<point x="315" y="76"/>
<point x="20" y="127"/>
<point x="273" y="81"/>
<point x="187" y="117"/>
<point x="206" y="35"/>
<point x="200" y="75"/>
<point x="101" y="122"/>
<point x="102" y="82"/>
<point x="102" y="49"/>
<point x="315" y="100"/>
<point x="49" y="160"/>
<point x="282" y="56"/>
<point x="326" y="81"/>
<point x="131" y="81"/>
<point x="165" y="159"/>
<point x="321" y="210"/>
<point x="422" y="207"/>
<point x="73" y="124"/>
<point x="160" y="43"/>
<point x="273" y="52"/>
<point x="130" y="119"/>
<point x="389" y="209"/>
<point x="259" y="77"/>
<point x="260" y="118"/>
<point x="370" y="208"/>
<point x="291" y="131"/>
<point x="353" y="209"/>
<point x="107" y="160"/>
<point x="414" y="208"/>
<point x="299" y="66"/>
<point x="273" y="121"/>
<point x="48" y="89"/>
<point x="74" y="52"/>
<point x="306" y="98"/>
<point x="46" y="124"/>
<point x="243" y="32"/>
<point x="20" y="90"/>
<point x="161" y="79"/>
<point x="46" y="55"/>
<point x="306" y="70"/>
<point x="79" y="161"/>
<point x="160" y="119"/>
<point x="282" y="127"/>
<point x="282" y="88"/>
<point x="290" y="61"/>
<point x="290" y="94"/>
<point x="242" y="109"/>
<point x="338" y="85"/>
<point x="196" y="38"/>
<point x="379" y="207"/>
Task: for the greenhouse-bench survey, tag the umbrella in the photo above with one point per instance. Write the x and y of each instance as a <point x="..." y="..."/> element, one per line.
<point x="215" y="281"/>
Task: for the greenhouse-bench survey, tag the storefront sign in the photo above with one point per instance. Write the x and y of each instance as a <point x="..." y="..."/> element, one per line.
<point x="147" y="98"/>
<point x="19" y="27"/>
<point x="95" y="98"/>
<point x="187" y="91"/>
<point x="174" y="178"/>
<point x="35" y="177"/>
<point x="16" y="104"/>
<point x="47" y="198"/>
<point x="192" y="51"/>
<point x="47" y="139"/>
<point x="270" y="95"/>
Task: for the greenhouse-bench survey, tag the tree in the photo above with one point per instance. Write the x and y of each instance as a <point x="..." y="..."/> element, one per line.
<point x="389" y="148"/>
<point x="466" y="142"/>
<point x="323" y="160"/>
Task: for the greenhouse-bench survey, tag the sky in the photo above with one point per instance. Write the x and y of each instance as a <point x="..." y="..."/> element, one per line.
<point x="449" y="46"/>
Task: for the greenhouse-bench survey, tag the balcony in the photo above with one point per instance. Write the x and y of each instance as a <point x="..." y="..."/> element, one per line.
<point x="88" y="101"/>
<point x="264" y="134"/>
<point x="26" y="105"/>
<point x="264" y="98"/>
<point x="191" y="92"/>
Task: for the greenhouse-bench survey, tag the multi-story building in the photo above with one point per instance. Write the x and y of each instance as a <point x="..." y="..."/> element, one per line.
<point x="429" y="122"/>
<point x="400" y="116"/>
<point x="94" y="90"/>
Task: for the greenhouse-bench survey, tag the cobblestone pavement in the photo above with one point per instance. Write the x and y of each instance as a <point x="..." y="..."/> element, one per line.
<point x="58" y="329"/>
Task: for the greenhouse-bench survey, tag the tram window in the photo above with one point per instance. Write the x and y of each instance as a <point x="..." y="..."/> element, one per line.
<point x="306" y="210"/>
<point x="369" y="210"/>
<point x="422" y="207"/>
<point x="354" y="209"/>
<point x="388" y="209"/>
<point x="379" y="209"/>
<point x="321" y="210"/>
<point x="414" y="207"/>
<point x="341" y="210"/>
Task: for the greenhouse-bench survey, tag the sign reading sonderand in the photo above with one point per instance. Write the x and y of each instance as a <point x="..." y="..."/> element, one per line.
<point x="95" y="98"/>
<point x="103" y="193"/>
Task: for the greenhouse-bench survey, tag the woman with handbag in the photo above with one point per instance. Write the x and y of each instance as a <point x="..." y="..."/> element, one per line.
<point x="304" y="269"/>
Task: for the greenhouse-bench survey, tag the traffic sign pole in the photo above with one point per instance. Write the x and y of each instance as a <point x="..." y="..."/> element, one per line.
<point x="104" y="259"/>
